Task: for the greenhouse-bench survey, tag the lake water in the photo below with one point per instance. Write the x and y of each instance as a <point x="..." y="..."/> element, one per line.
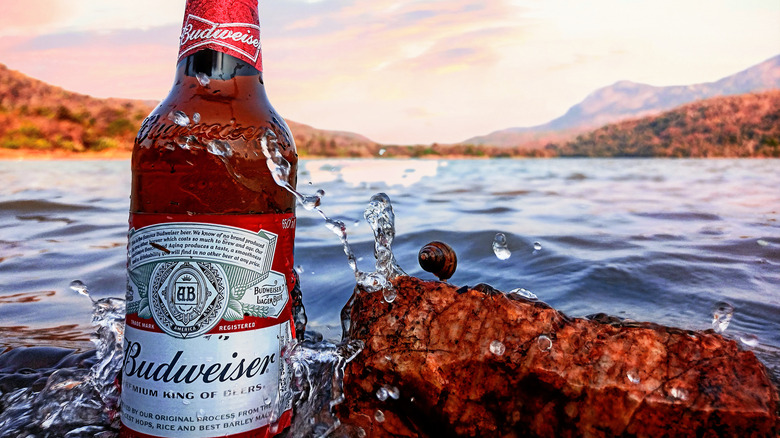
<point x="651" y="240"/>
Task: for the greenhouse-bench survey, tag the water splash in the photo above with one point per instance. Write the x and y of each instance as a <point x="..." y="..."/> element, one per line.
<point x="83" y="401"/>
<point x="379" y="214"/>
<point x="318" y="376"/>
<point x="76" y="401"/>
<point x="79" y="401"/>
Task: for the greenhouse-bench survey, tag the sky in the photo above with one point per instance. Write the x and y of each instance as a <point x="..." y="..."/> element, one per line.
<point x="405" y="71"/>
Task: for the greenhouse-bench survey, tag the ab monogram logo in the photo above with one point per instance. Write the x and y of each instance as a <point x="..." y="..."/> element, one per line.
<point x="187" y="299"/>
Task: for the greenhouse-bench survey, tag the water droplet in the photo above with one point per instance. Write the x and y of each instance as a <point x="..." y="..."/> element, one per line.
<point x="203" y="79"/>
<point x="389" y="293"/>
<point x="633" y="376"/>
<point x="299" y="269"/>
<point x="500" y="247"/>
<point x="379" y="416"/>
<point x="393" y="392"/>
<point x="749" y="340"/>
<point x="762" y="242"/>
<point x="361" y="433"/>
<point x="537" y="246"/>
<point x="497" y="348"/>
<point x="196" y="118"/>
<point x="678" y="393"/>
<point x="79" y="287"/>
<point x="219" y="148"/>
<point x="524" y="293"/>
<point x="179" y="118"/>
<point x="721" y="316"/>
<point x="381" y="394"/>
<point x="382" y="151"/>
<point x="544" y="342"/>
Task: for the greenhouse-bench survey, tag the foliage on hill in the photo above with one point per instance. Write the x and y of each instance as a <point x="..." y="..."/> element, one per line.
<point x="36" y="115"/>
<point x="747" y="125"/>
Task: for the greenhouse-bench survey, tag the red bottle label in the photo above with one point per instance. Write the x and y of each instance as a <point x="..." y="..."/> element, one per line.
<point x="208" y="316"/>
<point x="231" y="27"/>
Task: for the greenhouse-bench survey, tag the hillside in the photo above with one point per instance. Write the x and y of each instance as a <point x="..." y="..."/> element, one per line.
<point x="36" y="116"/>
<point x="626" y="99"/>
<point x="747" y="125"/>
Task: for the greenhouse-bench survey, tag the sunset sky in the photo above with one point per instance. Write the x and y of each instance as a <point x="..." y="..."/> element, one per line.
<point x="405" y="71"/>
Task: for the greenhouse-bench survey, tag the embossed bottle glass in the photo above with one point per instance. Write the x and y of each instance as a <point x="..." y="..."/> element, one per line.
<point x="211" y="286"/>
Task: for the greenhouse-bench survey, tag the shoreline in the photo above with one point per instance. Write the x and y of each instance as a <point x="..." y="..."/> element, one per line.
<point x="114" y="154"/>
<point x="117" y="155"/>
<point x="60" y="155"/>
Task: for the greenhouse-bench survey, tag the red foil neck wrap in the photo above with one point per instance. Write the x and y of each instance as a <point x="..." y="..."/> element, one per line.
<point x="228" y="26"/>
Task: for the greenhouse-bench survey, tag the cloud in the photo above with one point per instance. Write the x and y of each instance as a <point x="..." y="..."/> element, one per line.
<point x="49" y="17"/>
<point x="123" y="63"/>
<point x="440" y="37"/>
<point x="25" y="17"/>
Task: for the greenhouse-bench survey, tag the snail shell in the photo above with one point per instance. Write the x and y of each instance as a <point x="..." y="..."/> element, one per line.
<point x="439" y="259"/>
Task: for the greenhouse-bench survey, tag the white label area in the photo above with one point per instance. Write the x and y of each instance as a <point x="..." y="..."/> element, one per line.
<point x="189" y="277"/>
<point x="213" y="385"/>
<point x="207" y="242"/>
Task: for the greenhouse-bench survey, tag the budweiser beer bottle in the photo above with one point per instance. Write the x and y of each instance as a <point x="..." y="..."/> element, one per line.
<point x="211" y="286"/>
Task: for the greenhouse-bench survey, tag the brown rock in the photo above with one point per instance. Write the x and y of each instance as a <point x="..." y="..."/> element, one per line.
<point x="556" y="376"/>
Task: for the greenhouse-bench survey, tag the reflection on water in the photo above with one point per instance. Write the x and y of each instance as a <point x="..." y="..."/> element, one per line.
<point x="404" y="173"/>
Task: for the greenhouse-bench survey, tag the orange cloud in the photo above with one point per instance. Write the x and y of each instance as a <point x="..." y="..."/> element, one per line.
<point x="30" y="16"/>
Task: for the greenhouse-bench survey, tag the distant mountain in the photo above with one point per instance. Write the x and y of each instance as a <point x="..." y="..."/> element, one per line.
<point x="313" y="142"/>
<point x="746" y="125"/>
<point x="37" y="116"/>
<point x="626" y="99"/>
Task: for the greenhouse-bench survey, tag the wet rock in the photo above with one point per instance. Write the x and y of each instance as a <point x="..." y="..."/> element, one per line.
<point x="554" y="376"/>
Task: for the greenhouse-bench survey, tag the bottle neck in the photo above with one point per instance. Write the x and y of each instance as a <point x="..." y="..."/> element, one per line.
<point x="216" y="65"/>
<point x="230" y="27"/>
